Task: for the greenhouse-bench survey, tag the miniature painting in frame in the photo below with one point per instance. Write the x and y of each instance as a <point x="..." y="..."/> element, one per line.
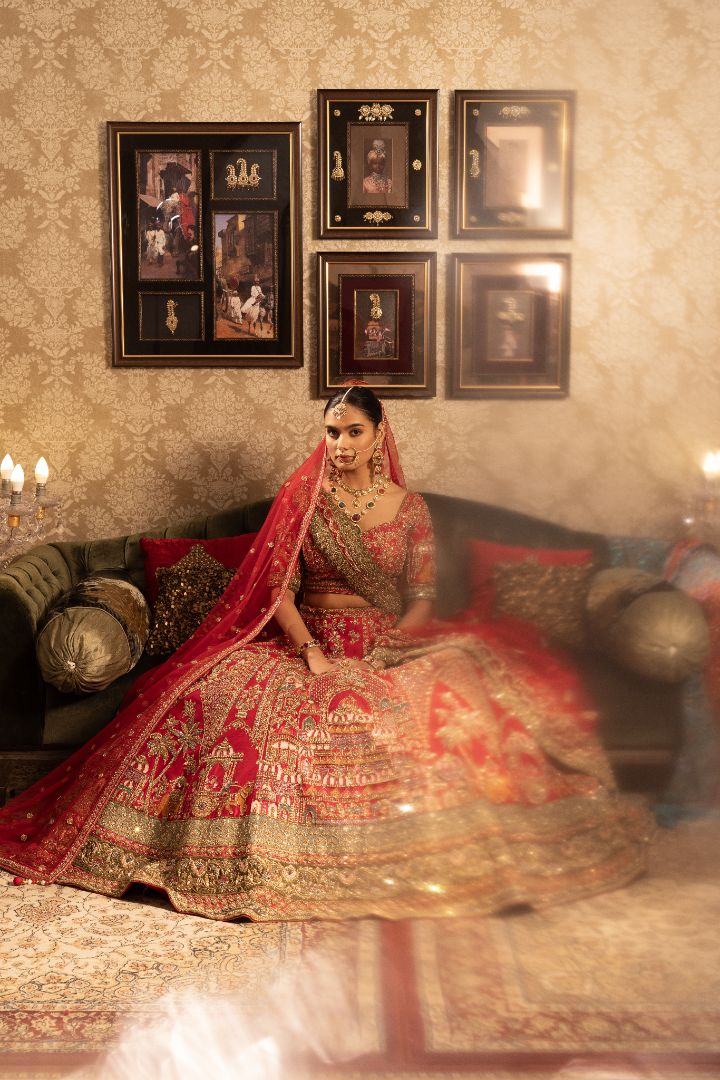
<point x="168" y="204"/>
<point x="378" y="163"/>
<point x="246" y="270"/>
<point x="513" y="163"/>
<point x="511" y="326"/>
<point x="206" y="244"/>
<point x="377" y="322"/>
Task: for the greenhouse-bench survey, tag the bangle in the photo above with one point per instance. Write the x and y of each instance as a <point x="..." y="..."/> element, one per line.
<point x="309" y="644"/>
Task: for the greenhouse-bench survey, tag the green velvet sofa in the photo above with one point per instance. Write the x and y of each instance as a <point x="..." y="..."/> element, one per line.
<point x="39" y="727"/>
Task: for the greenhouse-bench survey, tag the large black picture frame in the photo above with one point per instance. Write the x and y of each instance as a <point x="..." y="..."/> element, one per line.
<point x="206" y="244"/>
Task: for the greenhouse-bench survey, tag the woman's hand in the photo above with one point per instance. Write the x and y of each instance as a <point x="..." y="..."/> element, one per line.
<point x="317" y="662"/>
<point x="361" y="665"/>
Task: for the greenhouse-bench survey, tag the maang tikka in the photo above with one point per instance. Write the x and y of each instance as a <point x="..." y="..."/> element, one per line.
<point x="340" y="409"/>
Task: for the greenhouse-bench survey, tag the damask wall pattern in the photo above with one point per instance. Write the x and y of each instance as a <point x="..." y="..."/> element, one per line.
<point x="130" y="448"/>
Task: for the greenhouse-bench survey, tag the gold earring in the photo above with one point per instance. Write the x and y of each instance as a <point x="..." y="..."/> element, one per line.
<point x="378" y="458"/>
<point x="333" y="474"/>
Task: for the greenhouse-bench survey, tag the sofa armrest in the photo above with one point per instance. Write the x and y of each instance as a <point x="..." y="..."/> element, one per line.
<point x="28" y="586"/>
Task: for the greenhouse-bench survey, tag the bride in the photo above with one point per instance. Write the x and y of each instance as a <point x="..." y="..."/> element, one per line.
<point x="345" y="755"/>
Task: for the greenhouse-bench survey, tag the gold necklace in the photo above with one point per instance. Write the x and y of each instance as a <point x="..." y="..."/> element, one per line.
<point x="356" y="491"/>
<point x="356" y="513"/>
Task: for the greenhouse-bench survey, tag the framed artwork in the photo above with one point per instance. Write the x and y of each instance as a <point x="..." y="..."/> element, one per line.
<point x="378" y="166"/>
<point x="511" y="326"/>
<point x="513" y="163"/>
<point x="377" y="322"/>
<point x="205" y="242"/>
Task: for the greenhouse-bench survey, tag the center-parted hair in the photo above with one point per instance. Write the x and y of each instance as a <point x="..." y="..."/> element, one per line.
<point x="361" y="397"/>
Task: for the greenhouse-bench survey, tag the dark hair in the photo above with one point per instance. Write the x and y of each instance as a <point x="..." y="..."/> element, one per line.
<point x="361" y="397"/>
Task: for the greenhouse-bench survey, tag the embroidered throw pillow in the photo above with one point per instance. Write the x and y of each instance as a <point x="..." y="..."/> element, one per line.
<point x="543" y="586"/>
<point x="93" y="634"/>
<point x="552" y="598"/>
<point x="227" y="550"/>
<point x="187" y="592"/>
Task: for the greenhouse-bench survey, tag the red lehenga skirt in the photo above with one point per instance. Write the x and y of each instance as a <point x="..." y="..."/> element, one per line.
<point x="464" y="779"/>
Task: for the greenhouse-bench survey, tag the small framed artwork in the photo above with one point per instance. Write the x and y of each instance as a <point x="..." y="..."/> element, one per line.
<point x="513" y="163"/>
<point x="377" y="322"/>
<point x="511" y="326"/>
<point x="205" y="244"/>
<point x="378" y="163"/>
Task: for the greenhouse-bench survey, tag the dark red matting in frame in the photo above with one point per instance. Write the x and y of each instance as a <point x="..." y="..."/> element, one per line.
<point x="403" y="364"/>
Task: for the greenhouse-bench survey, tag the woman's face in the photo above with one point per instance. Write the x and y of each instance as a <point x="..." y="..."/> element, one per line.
<point x="351" y="440"/>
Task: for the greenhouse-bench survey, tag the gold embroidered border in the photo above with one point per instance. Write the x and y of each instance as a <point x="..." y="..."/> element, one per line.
<point x="525" y="857"/>
<point x="340" y="542"/>
<point x="551" y="822"/>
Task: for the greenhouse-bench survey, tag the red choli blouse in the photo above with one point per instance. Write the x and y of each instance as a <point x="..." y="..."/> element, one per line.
<point x="403" y="549"/>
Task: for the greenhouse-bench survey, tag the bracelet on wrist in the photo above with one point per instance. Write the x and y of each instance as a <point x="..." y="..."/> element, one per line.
<point x="311" y="643"/>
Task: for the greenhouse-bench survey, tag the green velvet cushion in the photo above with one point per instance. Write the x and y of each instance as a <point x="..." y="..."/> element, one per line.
<point x="95" y="633"/>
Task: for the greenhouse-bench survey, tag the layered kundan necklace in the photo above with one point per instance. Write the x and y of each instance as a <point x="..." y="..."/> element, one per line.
<point x="357" y="511"/>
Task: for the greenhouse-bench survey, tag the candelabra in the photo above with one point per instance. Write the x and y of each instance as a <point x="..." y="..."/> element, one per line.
<point x="701" y="516"/>
<point x="24" y="520"/>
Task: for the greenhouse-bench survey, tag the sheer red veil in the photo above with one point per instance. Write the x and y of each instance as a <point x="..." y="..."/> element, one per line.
<point x="36" y="838"/>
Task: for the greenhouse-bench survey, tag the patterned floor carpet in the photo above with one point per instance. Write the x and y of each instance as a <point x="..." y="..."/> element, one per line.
<point x="620" y="987"/>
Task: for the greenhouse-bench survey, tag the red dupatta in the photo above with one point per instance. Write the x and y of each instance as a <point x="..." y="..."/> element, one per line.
<point x="42" y="830"/>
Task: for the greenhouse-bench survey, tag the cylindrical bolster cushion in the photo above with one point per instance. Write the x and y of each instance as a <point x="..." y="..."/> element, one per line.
<point x="93" y="635"/>
<point x="647" y="625"/>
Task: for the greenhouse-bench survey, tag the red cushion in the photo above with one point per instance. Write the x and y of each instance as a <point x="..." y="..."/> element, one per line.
<point x="484" y="555"/>
<point x="228" y="550"/>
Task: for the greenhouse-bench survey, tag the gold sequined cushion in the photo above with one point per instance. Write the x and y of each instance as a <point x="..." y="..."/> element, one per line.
<point x="93" y="634"/>
<point x="187" y="592"/>
<point x="647" y="625"/>
<point x="552" y="598"/>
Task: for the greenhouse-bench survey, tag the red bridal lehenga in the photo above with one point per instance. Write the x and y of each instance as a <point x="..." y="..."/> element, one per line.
<point x="464" y="777"/>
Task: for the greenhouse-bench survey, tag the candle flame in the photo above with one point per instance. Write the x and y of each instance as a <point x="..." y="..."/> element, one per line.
<point x="711" y="465"/>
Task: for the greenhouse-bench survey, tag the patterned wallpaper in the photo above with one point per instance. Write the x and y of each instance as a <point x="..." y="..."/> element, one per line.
<point x="130" y="448"/>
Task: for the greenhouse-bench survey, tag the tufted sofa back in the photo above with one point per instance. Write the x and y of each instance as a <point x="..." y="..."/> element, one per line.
<point x="34" y="581"/>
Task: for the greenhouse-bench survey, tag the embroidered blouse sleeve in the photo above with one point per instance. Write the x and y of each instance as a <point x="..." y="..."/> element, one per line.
<point x="420" y="565"/>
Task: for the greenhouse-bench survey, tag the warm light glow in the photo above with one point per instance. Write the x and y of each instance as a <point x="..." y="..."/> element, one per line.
<point x="552" y="272"/>
<point x="41" y="471"/>
<point x="711" y="465"/>
<point x="6" y="467"/>
<point x="17" y="478"/>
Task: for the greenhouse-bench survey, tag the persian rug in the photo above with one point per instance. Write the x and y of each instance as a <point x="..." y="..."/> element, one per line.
<point x="622" y="986"/>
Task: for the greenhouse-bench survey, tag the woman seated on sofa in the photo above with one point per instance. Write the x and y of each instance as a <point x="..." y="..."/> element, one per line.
<point x="353" y="757"/>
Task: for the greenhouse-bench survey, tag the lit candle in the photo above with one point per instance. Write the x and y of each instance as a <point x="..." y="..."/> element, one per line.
<point x="6" y="467"/>
<point x="41" y="471"/>
<point x="711" y="466"/>
<point x="17" y="479"/>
